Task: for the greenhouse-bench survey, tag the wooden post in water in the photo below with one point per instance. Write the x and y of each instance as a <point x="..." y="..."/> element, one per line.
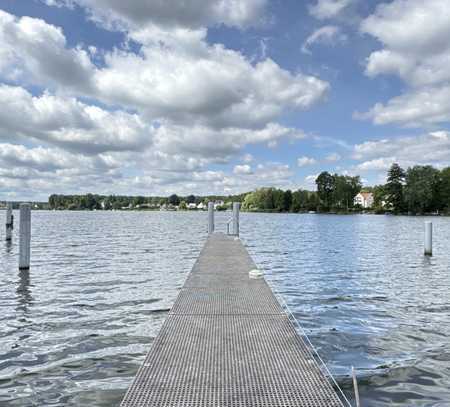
<point x="236" y="207"/>
<point x="428" y="239"/>
<point x="9" y="222"/>
<point x="25" y="236"/>
<point x="210" y="217"/>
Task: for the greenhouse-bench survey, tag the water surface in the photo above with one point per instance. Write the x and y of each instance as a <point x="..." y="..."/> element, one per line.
<point x="75" y="328"/>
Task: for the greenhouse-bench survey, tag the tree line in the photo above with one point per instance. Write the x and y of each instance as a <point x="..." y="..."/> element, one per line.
<point x="420" y="189"/>
<point x="335" y="193"/>
<point x="417" y="190"/>
<point x="116" y="202"/>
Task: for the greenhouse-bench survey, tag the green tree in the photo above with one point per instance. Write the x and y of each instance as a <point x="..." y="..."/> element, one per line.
<point x="421" y="191"/>
<point x="394" y="188"/>
<point x="174" y="200"/>
<point x="190" y="199"/>
<point x="445" y="189"/>
<point x="287" y="200"/>
<point x="183" y="206"/>
<point x="325" y="188"/>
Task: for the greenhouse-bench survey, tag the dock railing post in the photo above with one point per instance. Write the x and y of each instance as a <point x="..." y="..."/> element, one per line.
<point x="9" y="222"/>
<point x="210" y="217"/>
<point x="428" y="239"/>
<point x="236" y="208"/>
<point x="24" y="236"/>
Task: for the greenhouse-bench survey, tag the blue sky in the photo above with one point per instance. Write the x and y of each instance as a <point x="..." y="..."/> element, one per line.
<point x="220" y="96"/>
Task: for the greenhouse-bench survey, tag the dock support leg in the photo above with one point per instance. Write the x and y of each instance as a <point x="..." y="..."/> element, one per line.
<point x="210" y="217"/>
<point x="24" y="236"/>
<point x="9" y="222"/>
<point x="236" y="208"/>
<point x="428" y="239"/>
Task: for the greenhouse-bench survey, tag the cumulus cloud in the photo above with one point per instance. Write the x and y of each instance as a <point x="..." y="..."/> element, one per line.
<point x="217" y="144"/>
<point x="414" y="35"/>
<point x="162" y="113"/>
<point x="325" y="9"/>
<point x="327" y="35"/>
<point x="304" y="161"/>
<point x="416" y="108"/>
<point x="243" y="169"/>
<point x="170" y="13"/>
<point x="30" y="46"/>
<point x="69" y="123"/>
<point x="333" y="157"/>
<point x="432" y="148"/>
<point x="182" y="81"/>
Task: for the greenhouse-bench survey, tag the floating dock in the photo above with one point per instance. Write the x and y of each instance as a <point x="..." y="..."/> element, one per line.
<point x="228" y="342"/>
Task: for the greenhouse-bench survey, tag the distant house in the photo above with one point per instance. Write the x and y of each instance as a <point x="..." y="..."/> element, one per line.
<point x="218" y="203"/>
<point x="201" y="206"/>
<point x="364" y="199"/>
<point x="192" y="206"/>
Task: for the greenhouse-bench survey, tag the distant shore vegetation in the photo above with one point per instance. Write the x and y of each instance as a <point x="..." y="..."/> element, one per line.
<point x="416" y="190"/>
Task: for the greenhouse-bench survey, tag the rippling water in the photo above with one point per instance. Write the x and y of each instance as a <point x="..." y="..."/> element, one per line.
<point x="74" y="330"/>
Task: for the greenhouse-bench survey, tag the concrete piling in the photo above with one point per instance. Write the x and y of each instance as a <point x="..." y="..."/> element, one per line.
<point x="210" y="217"/>
<point x="24" y="236"/>
<point x="428" y="239"/>
<point x="236" y="208"/>
<point x="9" y="222"/>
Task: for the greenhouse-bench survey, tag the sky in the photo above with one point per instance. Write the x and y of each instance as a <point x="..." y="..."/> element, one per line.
<point x="153" y="97"/>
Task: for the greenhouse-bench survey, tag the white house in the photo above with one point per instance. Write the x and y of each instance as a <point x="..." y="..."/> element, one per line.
<point x="364" y="199"/>
<point x="201" y="206"/>
<point x="192" y="206"/>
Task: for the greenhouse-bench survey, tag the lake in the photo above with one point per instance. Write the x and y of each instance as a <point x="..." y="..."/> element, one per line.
<point x="75" y="328"/>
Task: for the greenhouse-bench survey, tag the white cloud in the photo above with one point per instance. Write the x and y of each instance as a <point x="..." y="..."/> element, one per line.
<point x="243" y="169"/>
<point x="325" y="9"/>
<point x="415" y="38"/>
<point x="333" y="157"/>
<point x="304" y="161"/>
<point x="247" y="158"/>
<point x="69" y="123"/>
<point x="31" y="47"/>
<point x="160" y="81"/>
<point x="328" y="35"/>
<point x="217" y="144"/>
<point x="416" y="108"/>
<point x="170" y="13"/>
<point x="144" y="122"/>
<point x="414" y="35"/>
<point x="432" y="148"/>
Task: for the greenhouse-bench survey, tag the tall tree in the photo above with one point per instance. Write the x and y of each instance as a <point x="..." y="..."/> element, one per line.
<point x="394" y="187"/>
<point x="421" y="191"/>
<point x="445" y="189"/>
<point x="325" y="188"/>
<point x="287" y="200"/>
<point x="174" y="200"/>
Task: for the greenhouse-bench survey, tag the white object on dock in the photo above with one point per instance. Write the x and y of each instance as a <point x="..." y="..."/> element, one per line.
<point x="428" y="239"/>
<point x="24" y="236"/>
<point x="255" y="273"/>
<point x="9" y="222"/>
<point x="210" y="217"/>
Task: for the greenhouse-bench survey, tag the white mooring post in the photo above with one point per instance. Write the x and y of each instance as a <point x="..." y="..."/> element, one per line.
<point x="9" y="222"/>
<point x="210" y="217"/>
<point x="24" y="236"/>
<point x="428" y="239"/>
<point x="236" y="207"/>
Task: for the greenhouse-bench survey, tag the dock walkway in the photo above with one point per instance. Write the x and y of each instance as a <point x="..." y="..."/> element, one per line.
<point x="228" y="342"/>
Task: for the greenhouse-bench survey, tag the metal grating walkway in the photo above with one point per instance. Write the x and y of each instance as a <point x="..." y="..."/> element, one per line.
<point x="227" y="342"/>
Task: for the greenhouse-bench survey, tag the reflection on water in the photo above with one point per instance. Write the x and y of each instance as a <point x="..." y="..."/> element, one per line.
<point x="75" y="328"/>
<point x="24" y="297"/>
